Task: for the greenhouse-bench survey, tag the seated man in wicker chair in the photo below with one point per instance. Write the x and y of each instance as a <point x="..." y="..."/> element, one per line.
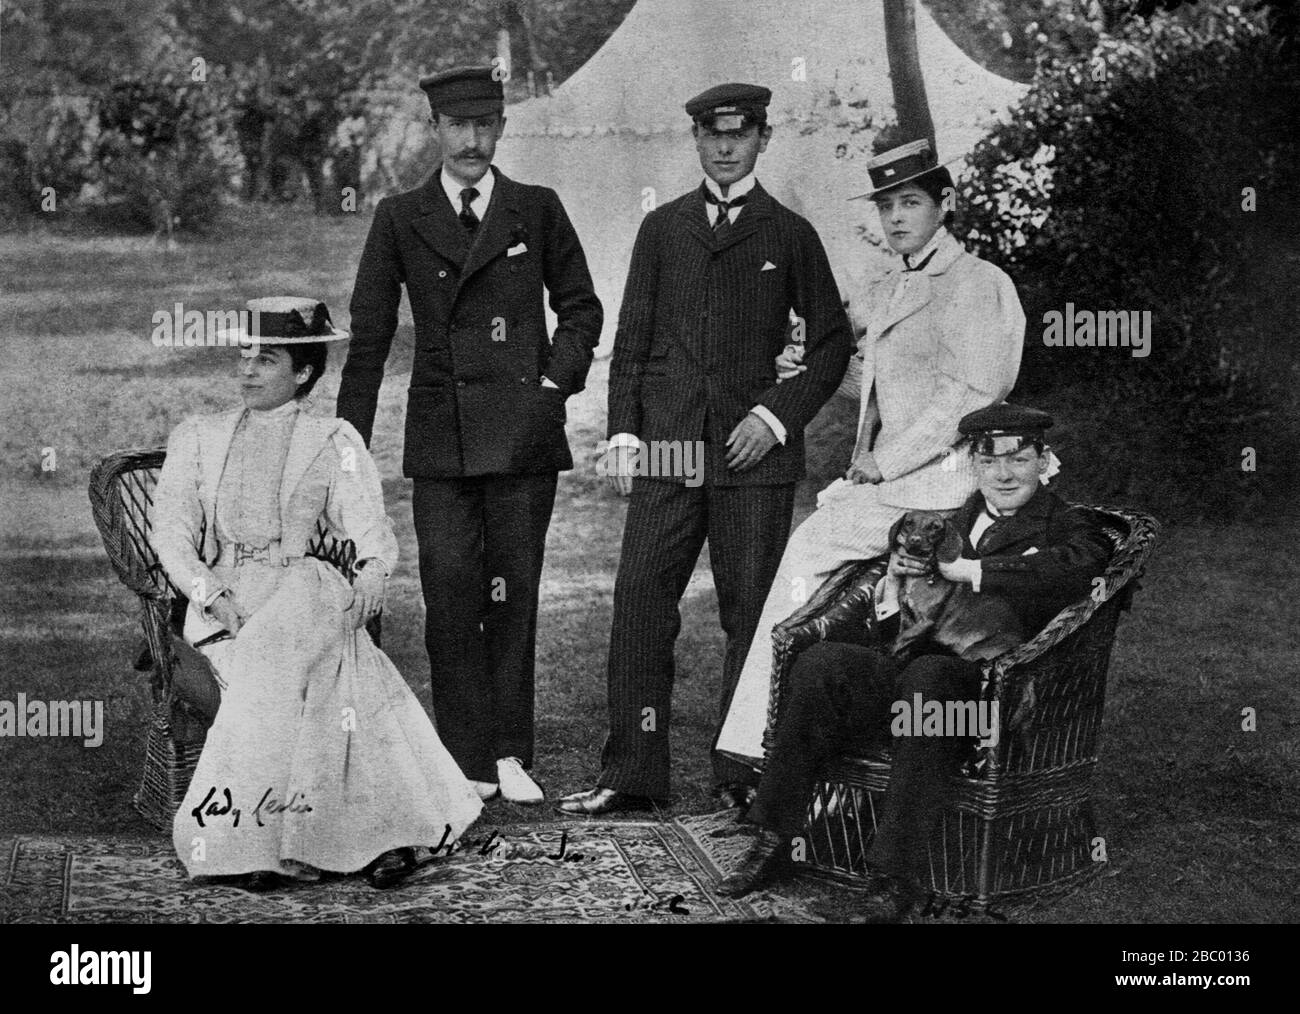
<point x="1023" y="544"/>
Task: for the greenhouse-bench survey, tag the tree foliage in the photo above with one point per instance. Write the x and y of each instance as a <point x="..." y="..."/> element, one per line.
<point x="163" y="150"/>
<point x="1120" y="183"/>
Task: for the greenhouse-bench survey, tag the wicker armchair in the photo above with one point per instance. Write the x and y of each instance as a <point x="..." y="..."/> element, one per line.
<point x="121" y="499"/>
<point x="1022" y="820"/>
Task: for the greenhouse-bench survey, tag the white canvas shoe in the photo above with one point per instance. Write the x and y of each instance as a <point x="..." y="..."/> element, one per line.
<point x="485" y="790"/>
<point x="516" y="785"/>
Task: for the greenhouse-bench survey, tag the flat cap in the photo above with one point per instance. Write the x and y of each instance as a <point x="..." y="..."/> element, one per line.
<point x="464" y="91"/>
<point x="739" y="104"/>
<point x="1004" y="428"/>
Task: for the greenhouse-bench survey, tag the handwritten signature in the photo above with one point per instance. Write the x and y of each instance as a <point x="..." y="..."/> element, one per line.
<point x="495" y="847"/>
<point x="268" y="804"/>
<point x="673" y="905"/>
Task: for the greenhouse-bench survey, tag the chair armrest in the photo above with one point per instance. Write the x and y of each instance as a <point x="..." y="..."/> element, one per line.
<point x="1132" y="552"/>
<point x="842" y="609"/>
<point x="1023" y="679"/>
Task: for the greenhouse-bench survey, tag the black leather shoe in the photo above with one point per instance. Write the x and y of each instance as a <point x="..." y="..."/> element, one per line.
<point x="757" y="866"/>
<point x="600" y="800"/>
<point x="736" y="795"/>
<point x="888" y="899"/>
<point x="263" y="881"/>
<point x="390" y="869"/>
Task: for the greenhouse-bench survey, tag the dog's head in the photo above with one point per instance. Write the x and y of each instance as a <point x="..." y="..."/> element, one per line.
<point x="926" y="534"/>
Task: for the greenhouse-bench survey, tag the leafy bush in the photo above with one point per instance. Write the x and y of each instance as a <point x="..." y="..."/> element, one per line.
<point x="1118" y="184"/>
<point x="164" y="152"/>
<point x="57" y="155"/>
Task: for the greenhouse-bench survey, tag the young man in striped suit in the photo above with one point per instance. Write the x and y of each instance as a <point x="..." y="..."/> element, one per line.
<point x="714" y="279"/>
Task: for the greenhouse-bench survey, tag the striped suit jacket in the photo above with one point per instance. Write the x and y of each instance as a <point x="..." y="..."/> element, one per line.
<point x="950" y="345"/>
<point x="702" y="323"/>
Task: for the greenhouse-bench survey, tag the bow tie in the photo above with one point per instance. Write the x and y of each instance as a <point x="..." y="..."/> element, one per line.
<point x="907" y="266"/>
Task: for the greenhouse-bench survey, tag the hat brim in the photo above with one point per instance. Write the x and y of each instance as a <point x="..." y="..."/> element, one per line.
<point x="469" y="108"/>
<point x="908" y="179"/>
<point x="239" y="336"/>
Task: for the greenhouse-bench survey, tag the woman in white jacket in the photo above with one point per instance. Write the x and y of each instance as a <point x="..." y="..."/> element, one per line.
<point x="940" y="335"/>
<point x="320" y="758"/>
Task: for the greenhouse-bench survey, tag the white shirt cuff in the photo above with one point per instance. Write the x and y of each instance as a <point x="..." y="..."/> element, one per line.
<point x="207" y="602"/>
<point x="979" y="573"/>
<point x="764" y="413"/>
<point x="374" y="561"/>
<point x="886" y="596"/>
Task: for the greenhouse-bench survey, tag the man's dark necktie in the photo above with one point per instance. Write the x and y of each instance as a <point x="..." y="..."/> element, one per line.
<point x="722" y="224"/>
<point x="907" y="261"/>
<point x="467" y="217"/>
<point x="987" y="531"/>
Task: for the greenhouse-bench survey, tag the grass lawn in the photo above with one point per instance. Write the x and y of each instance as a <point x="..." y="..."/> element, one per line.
<point x="1200" y="817"/>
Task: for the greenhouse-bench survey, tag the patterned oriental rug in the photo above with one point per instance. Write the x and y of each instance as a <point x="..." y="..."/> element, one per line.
<point x="562" y="872"/>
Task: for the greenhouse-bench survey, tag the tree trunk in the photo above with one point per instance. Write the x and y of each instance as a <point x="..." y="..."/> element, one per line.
<point x="537" y="64"/>
<point x="910" y="104"/>
<point x="503" y="49"/>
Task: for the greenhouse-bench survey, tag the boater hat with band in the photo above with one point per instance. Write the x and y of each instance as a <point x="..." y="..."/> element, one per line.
<point x="283" y="320"/>
<point x="898" y="165"/>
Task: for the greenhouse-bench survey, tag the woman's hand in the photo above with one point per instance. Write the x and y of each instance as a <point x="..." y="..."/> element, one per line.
<point x="368" y="590"/>
<point x="864" y="469"/>
<point x="789" y="363"/>
<point x="226" y="611"/>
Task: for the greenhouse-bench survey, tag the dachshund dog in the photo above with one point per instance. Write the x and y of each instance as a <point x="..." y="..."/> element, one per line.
<point x="945" y="613"/>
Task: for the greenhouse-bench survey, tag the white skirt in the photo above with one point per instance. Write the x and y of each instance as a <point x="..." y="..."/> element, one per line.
<point x="320" y="755"/>
<point x="854" y="525"/>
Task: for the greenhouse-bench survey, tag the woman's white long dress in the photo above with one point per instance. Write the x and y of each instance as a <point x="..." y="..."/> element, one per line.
<point x="320" y="755"/>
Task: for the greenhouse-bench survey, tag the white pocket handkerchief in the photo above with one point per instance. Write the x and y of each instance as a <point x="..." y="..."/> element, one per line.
<point x="516" y="250"/>
<point x="1030" y="551"/>
<point x="768" y="266"/>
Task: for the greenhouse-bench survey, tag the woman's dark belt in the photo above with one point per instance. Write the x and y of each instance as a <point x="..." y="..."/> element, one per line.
<point x="236" y="554"/>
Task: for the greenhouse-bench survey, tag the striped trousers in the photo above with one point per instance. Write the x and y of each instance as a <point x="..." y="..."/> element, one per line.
<point x="853" y="526"/>
<point x="667" y="525"/>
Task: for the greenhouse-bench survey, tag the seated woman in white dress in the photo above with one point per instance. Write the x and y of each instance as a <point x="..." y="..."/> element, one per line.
<point x="938" y="339"/>
<point x="320" y="758"/>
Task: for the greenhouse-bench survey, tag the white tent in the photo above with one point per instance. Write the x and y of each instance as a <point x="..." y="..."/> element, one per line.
<point x="614" y="139"/>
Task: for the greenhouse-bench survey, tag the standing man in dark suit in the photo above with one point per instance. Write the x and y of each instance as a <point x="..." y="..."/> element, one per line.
<point x="714" y="279"/>
<point x="485" y="415"/>
<point x="1021" y="543"/>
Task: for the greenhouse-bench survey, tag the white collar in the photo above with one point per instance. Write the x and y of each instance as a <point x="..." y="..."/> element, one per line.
<point x="993" y="512"/>
<point x="740" y="188"/>
<point x="289" y="408"/>
<point x="452" y="187"/>
<point x="931" y="245"/>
